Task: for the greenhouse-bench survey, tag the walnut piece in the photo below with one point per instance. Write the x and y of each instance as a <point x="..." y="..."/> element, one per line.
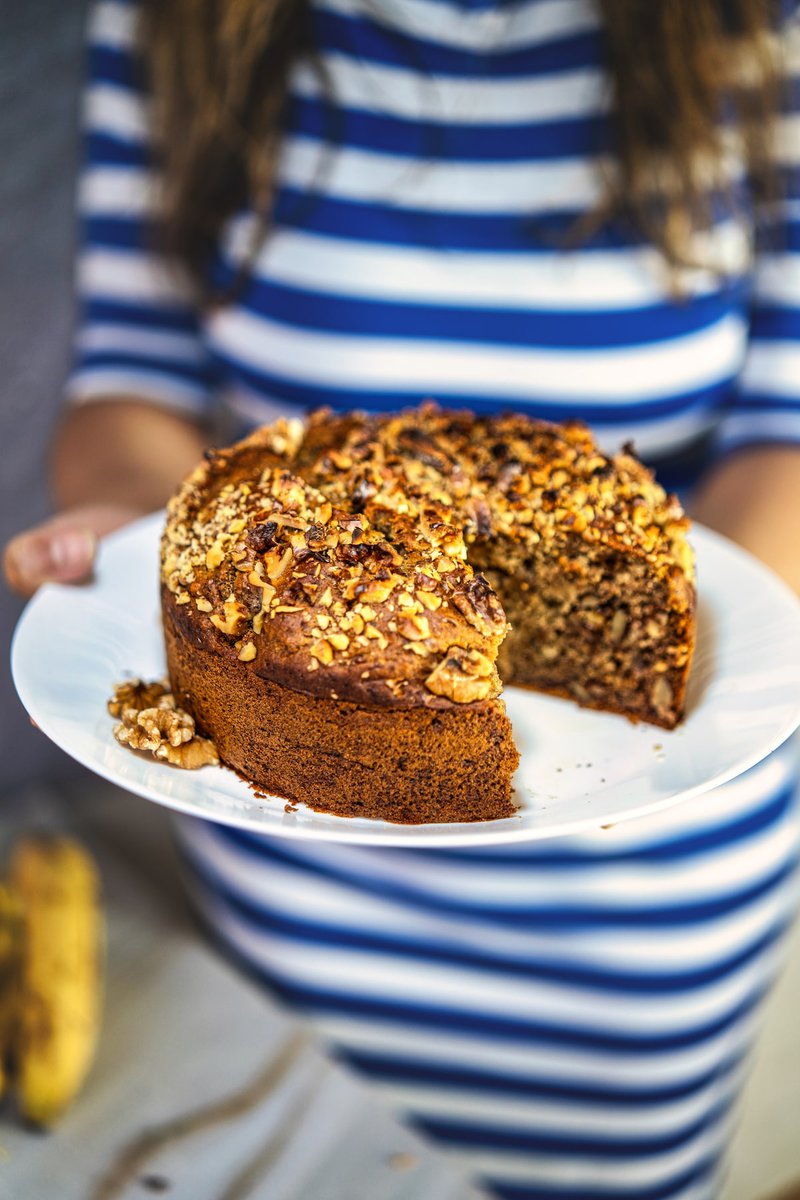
<point x="148" y="729"/>
<point x="172" y="725"/>
<point x="163" y="729"/>
<point x="478" y="603"/>
<point x="198" y="752"/>
<point x="136" y="694"/>
<point x="234" y="619"/>
<point x="661" y="696"/>
<point x="463" y="676"/>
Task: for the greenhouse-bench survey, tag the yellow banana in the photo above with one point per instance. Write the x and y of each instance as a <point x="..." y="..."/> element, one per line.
<point x="10" y="945"/>
<point x="58" y="888"/>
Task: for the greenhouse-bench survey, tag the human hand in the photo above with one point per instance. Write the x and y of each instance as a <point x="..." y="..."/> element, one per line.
<point x="61" y="549"/>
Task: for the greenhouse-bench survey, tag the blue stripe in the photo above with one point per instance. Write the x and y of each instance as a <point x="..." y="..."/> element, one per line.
<point x="119" y="360"/>
<point x="160" y="320"/>
<point x="119" y="233"/>
<point x="788" y="180"/>
<point x="369" y="42"/>
<point x="620" y="414"/>
<point x="262" y="918"/>
<point x="387" y="225"/>
<point x="528" y="328"/>
<point x="108" y="150"/>
<point x="562" y="916"/>
<point x="392" y="225"/>
<point x="430" y="139"/>
<point x="770" y="323"/>
<point x="576" y="1146"/>
<point x="760" y="402"/>
<point x="787" y="229"/>
<point x="395" y="225"/>
<point x="611" y="1094"/>
<point x="507" y="1029"/>
<point x="110" y="64"/>
<point x="540" y="231"/>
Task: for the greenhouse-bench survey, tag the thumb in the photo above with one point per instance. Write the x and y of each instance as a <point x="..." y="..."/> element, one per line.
<point x="61" y="550"/>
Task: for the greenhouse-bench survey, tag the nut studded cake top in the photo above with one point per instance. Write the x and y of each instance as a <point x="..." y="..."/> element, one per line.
<point x="333" y="557"/>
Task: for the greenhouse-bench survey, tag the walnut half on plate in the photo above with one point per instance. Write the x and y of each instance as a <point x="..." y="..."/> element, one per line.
<point x="152" y="721"/>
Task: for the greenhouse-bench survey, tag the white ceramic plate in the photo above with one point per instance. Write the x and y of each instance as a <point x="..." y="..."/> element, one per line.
<point x="579" y="769"/>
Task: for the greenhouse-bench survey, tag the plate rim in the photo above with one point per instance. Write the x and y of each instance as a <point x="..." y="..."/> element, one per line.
<point x="311" y="825"/>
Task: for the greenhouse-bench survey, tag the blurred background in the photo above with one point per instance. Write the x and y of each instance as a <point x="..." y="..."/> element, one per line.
<point x="40" y="71"/>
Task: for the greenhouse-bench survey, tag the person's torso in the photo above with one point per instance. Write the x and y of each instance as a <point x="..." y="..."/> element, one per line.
<point x="434" y="166"/>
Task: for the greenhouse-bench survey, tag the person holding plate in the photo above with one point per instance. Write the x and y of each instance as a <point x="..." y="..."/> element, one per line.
<point x="574" y="209"/>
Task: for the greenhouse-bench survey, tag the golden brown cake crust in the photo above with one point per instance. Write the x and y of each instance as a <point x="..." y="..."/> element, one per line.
<point x="362" y="561"/>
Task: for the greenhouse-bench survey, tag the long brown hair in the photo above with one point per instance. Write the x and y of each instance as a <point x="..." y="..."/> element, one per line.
<point x="218" y="72"/>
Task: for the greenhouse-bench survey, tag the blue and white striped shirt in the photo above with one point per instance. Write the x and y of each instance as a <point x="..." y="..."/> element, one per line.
<point x="419" y="250"/>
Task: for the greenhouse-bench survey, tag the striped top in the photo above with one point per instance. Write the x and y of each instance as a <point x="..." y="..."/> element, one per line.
<point x="417" y="244"/>
<point x="568" y="1019"/>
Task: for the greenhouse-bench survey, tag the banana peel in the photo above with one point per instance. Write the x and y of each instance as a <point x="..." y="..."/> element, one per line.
<point x="10" y="957"/>
<point x="55" y="1005"/>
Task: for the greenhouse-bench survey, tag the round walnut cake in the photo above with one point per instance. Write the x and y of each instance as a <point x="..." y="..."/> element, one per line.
<point x="342" y="599"/>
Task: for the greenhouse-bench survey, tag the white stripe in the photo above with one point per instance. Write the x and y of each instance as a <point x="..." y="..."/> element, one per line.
<point x="400" y="92"/>
<point x="113" y="24"/>
<point x="768" y="425"/>
<point x="499" y="29"/>
<point x="110" y="383"/>
<point x="128" y="339"/>
<point x="366" y="175"/>
<point x="556" y="280"/>
<point x="258" y="409"/>
<point x="777" y="278"/>
<point x="382" y="977"/>
<point x="526" y="187"/>
<point x="130" y="276"/>
<point x="116" y="111"/>
<point x="660" y="435"/>
<point x="789" y="42"/>
<point x="509" y="373"/>
<point x="773" y="367"/>
<point x="787" y="140"/>
<point x="117" y="191"/>
<point x="385" y="179"/>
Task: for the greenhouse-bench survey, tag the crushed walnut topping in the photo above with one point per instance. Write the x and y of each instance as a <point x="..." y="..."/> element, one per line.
<point x="463" y="675"/>
<point x="152" y="721"/>
<point x="351" y="537"/>
<point x="136" y="694"/>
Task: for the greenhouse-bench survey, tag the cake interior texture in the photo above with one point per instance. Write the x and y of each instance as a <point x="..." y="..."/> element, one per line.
<point x="593" y="627"/>
<point x="344" y="599"/>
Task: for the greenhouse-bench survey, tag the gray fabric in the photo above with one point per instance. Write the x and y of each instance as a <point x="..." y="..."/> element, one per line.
<point x="41" y="64"/>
